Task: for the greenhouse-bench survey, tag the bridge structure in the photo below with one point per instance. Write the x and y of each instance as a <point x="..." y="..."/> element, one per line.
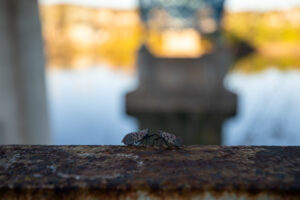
<point x="184" y="95"/>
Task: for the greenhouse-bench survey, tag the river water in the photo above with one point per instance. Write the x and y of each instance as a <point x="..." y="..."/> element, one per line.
<point x="87" y="106"/>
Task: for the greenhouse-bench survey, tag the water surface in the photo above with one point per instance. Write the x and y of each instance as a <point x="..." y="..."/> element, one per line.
<point x="268" y="108"/>
<point x="87" y="106"/>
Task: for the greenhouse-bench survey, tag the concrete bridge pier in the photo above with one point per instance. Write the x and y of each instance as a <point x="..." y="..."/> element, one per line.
<point x="23" y="108"/>
<point x="184" y="96"/>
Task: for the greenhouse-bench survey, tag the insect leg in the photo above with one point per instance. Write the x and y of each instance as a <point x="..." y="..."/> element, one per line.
<point x="148" y="141"/>
<point x="156" y="140"/>
<point x="161" y="142"/>
<point x="166" y="143"/>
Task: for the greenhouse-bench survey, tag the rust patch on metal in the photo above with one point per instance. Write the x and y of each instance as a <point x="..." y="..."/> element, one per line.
<point x="120" y="172"/>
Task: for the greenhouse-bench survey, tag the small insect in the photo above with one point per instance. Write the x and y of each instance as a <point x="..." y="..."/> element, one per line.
<point x="170" y="138"/>
<point x="146" y="138"/>
<point x="135" y="138"/>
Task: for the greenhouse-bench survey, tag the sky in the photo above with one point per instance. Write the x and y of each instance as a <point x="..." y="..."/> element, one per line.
<point x="232" y="5"/>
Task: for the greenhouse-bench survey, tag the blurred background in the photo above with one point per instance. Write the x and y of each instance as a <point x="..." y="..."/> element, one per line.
<point x="210" y="71"/>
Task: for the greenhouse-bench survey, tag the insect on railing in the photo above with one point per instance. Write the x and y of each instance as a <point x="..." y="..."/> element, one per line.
<point x="147" y="138"/>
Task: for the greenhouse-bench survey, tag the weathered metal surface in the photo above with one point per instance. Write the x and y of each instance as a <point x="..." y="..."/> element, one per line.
<point x="121" y="172"/>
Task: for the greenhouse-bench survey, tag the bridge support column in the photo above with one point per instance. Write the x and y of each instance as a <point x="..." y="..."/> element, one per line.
<point x="23" y="110"/>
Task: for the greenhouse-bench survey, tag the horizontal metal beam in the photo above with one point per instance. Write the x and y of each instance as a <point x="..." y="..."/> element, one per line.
<point x="110" y="172"/>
